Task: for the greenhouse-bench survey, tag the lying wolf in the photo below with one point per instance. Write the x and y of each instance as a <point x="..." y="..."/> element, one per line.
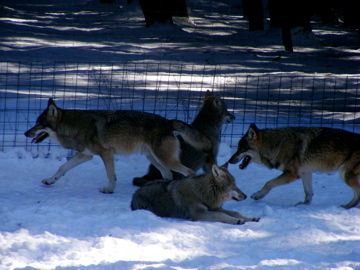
<point x="212" y="115"/>
<point x="106" y="133"/>
<point x="298" y="151"/>
<point x="194" y="198"/>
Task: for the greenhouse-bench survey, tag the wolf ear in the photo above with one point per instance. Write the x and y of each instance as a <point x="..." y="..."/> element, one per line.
<point x="217" y="102"/>
<point x="225" y="165"/>
<point x="208" y="94"/>
<point x="53" y="111"/>
<point x="51" y="102"/>
<point x="217" y="172"/>
<point x="253" y="132"/>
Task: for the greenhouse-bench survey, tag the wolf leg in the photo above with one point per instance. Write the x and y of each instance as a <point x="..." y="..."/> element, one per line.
<point x="168" y="156"/>
<point x="174" y="163"/>
<point x="217" y="216"/>
<point x="355" y="201"/>
<point x="165" y="172"/>
<point x="285" y="178"/>
<point x="306" y="178"/>
<point x="353" y="180"/>
<point x="192" y="136"/>
<point x="238" y="215"/>
<point x="73" y="162"/>
<point x="108" y="159"/>
<point x="176" y="166"/>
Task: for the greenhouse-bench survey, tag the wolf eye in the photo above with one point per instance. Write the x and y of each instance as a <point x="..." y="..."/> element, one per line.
<point x="42" y="122"/>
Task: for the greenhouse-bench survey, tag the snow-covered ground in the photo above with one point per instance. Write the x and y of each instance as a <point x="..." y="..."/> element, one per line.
<point x="85" y="31"/>
<point x="71" y="225"/>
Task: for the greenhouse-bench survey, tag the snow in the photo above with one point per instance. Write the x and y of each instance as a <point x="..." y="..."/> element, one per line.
<point x="71" y="225"/>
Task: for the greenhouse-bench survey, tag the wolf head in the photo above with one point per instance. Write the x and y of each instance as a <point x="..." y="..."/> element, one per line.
<point x="247" y="147"/>
<point x="217" y="109"/>
<point x="45" y="124"/>
<point x="225" y="181"/>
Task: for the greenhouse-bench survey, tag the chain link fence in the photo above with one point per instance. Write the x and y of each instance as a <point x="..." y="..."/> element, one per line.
<point x="173" y="91"/>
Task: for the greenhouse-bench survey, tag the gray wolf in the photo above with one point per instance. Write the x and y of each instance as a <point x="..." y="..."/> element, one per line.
<point x="298" y="151"/>
<point x="194" y="198"/>
<point x="209" y="120"/>
<point x="106" y="133"/>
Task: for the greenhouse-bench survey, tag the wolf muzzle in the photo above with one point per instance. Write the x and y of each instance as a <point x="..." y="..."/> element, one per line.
<point x="245" y="160"/>
<point x="230" y="117"/>
<point x="235" y="158"/>
<point x="239" y="198"/>
<point x="37" y="136"/>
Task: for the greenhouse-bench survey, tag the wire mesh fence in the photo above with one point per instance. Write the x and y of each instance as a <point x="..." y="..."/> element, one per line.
<point x="173" y="91"/>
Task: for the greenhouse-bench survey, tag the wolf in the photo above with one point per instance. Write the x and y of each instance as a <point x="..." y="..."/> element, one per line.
<point x="123" y="132"/>
<point x="298" y="151"/>
<point x="194" y="198"/>
<point x="209" y="120"/>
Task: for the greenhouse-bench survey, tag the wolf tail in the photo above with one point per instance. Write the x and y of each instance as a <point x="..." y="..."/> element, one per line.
<point x="192" y="136"/>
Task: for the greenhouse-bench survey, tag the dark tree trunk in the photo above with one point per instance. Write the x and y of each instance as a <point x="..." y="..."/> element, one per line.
<point x="162" y="11"/>
<point x="351" y="15"/>
<point x="253" y="10"/>
<point x="287" y="14"/>
<point x="107" y="1"/>
<point x="286" y="38"/>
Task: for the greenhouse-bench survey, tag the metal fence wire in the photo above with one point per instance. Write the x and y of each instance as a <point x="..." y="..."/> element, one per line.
<point x="173" y="91"/>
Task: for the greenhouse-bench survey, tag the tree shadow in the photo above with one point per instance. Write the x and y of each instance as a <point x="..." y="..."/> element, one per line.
<point x="91" y="31"/>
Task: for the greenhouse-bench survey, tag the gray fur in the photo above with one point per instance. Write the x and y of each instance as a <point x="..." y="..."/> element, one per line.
<point x="193" y="198"/>
<point x="299" y="151"/>
<point x="208" y="122"/>
<point x="106" y="133"/>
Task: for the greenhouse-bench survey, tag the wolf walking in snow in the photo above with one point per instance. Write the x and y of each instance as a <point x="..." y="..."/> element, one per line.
<point x="106" y="133"/>
<point x="298" y="151"/>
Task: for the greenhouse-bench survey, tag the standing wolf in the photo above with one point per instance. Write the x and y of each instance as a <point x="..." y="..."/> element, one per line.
<point x="298" y="151"/>
<point x="212" y="115"/>
<point x="106" y="133"/>
<point x="195" y="198"/>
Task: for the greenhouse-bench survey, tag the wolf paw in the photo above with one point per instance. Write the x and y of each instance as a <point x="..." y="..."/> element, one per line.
<point x="349" y="205"/>
<point x="255" y="219"/>
<point x="257" y="196"/>
<point x="140" y="181"/>
<point x="106" y="190"/>
<point x="48" y="181"/>
<point x="240" y="222"/>
<point x="303" y="203"/>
